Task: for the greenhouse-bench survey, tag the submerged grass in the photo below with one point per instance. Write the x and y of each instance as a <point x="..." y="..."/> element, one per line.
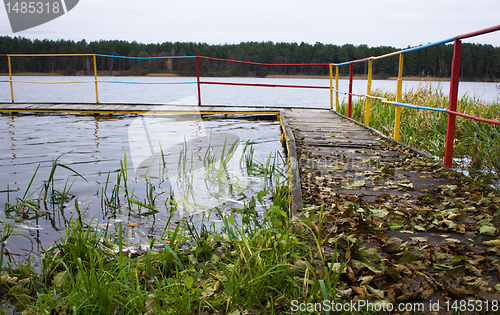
<point x="477" y="144"/>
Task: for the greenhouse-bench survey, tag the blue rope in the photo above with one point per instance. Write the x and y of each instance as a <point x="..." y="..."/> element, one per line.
<point x="420" y="107"/>
<point x="345" y="93"/>
<point x="403" y="51"/>
<point x="165" y="57"/>
<point x="342" y="63"/>
<point x="428" y="45"/>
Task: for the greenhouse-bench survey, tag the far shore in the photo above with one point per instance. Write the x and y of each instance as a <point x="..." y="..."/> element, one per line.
<point x="273" y="76"/>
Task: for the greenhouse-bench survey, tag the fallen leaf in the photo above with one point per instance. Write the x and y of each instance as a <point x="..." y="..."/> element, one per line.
<point x="134" y="224"/>
<point x="382" y="236"/>
<point x="419" y="239"/>
<point x="492" y="243"/>
<point x="456" y="292"/>
<point x="487" y="230"/>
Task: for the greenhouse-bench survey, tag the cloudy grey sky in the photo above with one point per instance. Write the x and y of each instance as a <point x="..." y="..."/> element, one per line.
<point x="397" y="23"/>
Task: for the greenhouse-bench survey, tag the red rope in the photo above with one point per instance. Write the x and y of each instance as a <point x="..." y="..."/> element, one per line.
<point x="358" y="95"/>
<point x="266" y="85"/>
<point x="267" y="64"/>
<point x="490" y="121"/>
<point x="480" y="32"/>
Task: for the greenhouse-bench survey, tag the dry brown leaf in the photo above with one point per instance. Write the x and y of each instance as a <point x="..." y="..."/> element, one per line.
<point x="404" y="270"/>
<point x="456" y="292"/>
<point x="405" y="297"/>
<point x="366" y="280"/>
<point x="134" y="224"/>
<point x="426" y="294"/>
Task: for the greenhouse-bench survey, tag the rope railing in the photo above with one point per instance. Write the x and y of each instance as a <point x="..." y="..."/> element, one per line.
<point x="453" y="95"/>
<point x="257" y="84"/>
<point x="146" y="58"/>
<point x="53" y="82"/>
<point x="267" y="85"/>
<point x="266" y="64"/>
<point x="95" y="81"/>
<point x="137" y="82"/>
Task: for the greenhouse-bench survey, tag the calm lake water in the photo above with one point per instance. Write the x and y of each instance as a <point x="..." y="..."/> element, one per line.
<point x="96" y="144"/>
<point x="186" y="94"/>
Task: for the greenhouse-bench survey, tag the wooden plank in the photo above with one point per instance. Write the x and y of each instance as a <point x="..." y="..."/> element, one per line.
<point x="296" y="202"/>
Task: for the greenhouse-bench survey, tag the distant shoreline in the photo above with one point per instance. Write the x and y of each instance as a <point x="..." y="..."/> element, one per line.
<point x="271" y="76"/>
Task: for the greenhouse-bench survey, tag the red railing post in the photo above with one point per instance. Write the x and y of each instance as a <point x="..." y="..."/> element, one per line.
<point x="198" y="79"/>
<point x="455" y="79"/>
<point x="349" y="98"/>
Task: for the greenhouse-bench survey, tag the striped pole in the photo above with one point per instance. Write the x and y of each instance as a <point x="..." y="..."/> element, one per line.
<point x="10" y="80"/>
<point x="452" y="106"/>
<point x="368" y="92"/>
<point x="349" y="98"/>
<point x="397" y="120"/>
<point x="95" y="78"/>
<point x="330" y="67"/>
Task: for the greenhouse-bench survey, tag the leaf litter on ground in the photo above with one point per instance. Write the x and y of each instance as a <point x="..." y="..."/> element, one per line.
<point x="407" y="242"/>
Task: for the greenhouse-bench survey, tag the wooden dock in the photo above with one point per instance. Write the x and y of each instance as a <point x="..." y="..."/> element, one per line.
<point x="389" y="209"/>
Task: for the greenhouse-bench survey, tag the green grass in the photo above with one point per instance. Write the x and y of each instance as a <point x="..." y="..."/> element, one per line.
<point x="261" y="269"/>
<point x="477" y="143"/>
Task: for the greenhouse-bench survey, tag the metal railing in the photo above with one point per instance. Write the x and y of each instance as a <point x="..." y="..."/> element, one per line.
<point x="453" y="95"/>
<point x="95" y="81"/>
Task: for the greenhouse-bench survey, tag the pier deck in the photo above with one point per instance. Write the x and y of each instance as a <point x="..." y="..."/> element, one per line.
<point x="351" y="159"/>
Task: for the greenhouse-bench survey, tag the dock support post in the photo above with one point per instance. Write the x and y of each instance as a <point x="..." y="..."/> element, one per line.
<point x="330" y="67"/>
<point x="452" y="106"/>
<point x="397" y="120"/>
<point x="349" y="98"/>
<point x="95" y="79"/>
<point x="368" y="92"/>
<point x="198" y="79"/>
<point x="10" y="80"/>
<point x="337" y="88"/>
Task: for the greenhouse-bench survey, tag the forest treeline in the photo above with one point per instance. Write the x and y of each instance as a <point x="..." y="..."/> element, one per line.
<point x="479" y="62"/>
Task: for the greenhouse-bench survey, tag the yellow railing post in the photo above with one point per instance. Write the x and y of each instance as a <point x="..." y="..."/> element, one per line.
<point x="399" y="92"/>
<point x="330" y="67"/>
<point x="10" y="80"/>
<point x="337" y="88"/>
<point x="368" y="92"/>
<point x="95" y="79"/>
